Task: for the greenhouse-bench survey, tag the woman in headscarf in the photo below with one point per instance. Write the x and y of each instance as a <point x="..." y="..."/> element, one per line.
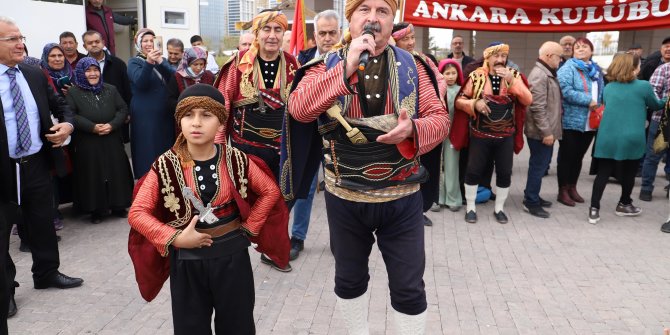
<point x="152" y="123"/>
<point x="102" y="177"/>
<point x="191" y="70"/>
<point x="57" y="68"/>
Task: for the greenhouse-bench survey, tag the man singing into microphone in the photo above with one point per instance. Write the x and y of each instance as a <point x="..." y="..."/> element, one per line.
<point x="375" y="124"/>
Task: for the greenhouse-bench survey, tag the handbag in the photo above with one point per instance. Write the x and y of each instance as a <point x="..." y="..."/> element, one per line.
<point x="595" y="116"/>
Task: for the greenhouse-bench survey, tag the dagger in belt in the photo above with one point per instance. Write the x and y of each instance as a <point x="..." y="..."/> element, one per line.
<point x="206" y="213"/>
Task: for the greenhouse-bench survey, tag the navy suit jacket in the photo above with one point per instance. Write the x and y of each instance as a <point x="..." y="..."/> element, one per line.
<point x="47" y="102"/>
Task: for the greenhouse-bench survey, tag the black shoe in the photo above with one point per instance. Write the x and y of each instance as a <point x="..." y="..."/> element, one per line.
<point x="536" y="211"/>
<point x="268" y="261"/>
<point x="24" y="247"/>
<point x="58" y="280"/>
<point x="120" y="213"/>
<point x="666" y="227"/>
<point x="545" y="203"/>
<point x="297" y="245"/>
<point x="58" y="238"/>
<point x="471" y="217"/>
<point x="12" y="307"/>
<point x="627" y="210"/>
<point x="426" y="221"/>
<point x="500" y="217"/>
<point x="321" y="186"/>
<point x="645" y="195"/>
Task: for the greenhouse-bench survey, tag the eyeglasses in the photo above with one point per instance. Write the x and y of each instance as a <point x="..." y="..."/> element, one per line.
<point x="14" y="39"/>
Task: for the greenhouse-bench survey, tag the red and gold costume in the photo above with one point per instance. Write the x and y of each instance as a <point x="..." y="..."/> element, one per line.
<point x="256" y="92"/>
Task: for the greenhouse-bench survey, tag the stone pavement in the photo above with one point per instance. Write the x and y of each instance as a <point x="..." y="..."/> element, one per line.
<point x="532" y="276"/>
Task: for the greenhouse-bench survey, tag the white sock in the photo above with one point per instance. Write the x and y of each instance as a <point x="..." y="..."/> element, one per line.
<point x="409" y="324"/>
<point x="470" y="197"/>
<point x="501" y="196"/>
<point x="355" y="314"/>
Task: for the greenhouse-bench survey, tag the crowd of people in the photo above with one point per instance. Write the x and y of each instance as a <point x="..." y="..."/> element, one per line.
<point x="220" y="156"/>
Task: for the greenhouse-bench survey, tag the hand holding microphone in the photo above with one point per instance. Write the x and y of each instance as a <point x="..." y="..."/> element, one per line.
<point x="360" y="49"/>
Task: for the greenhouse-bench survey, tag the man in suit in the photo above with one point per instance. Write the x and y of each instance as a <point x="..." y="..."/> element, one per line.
<point x="30" y="146"/>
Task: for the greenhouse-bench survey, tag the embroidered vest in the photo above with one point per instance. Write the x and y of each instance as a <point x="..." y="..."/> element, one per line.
<point x="258" y="112"/>
<point x="500" y="122"/>
<point x="373" y="165"/>
<point x="176" y="211"/>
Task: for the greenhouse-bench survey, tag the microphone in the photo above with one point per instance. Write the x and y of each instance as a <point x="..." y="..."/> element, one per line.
<point x="365" y="55"/>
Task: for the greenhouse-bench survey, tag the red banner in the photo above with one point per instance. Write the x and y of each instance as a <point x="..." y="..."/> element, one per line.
<point x="539" y="15"/>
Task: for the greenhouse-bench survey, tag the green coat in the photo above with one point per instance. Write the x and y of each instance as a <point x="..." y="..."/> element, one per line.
<point x="621" y="134"/>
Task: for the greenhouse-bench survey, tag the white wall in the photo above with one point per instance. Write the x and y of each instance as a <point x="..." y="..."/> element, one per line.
<point x="42" y="22"/>
<point x="154" y="10"/>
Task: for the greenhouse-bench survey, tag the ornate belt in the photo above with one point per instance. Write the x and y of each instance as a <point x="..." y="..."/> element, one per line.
<point x="261" y="128"/>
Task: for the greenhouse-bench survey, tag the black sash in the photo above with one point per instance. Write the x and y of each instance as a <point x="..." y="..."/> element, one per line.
<point x="372" y="165"/>
<point x="260" y="127"/>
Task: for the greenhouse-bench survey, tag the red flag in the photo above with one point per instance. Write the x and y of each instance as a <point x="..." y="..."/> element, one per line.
<point x="298" y="37"/>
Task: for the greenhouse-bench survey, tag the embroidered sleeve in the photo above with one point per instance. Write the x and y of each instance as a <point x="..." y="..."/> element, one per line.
<point x="464" y="100"/>
<point x="268" y="194"/>
<point x="141" y="217"/>
<point x="317" y="92"/>
<point x="432" y="126"/>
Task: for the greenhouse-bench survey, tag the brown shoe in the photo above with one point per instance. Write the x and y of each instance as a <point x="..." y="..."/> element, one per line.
<point x="572" y="191"/>
<point x="564" y="198"/>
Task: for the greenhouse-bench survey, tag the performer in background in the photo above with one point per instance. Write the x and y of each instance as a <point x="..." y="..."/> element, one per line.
<point x="256" y="84"/>
<point x="375" y="124"/>
<point x="494" y="98"/>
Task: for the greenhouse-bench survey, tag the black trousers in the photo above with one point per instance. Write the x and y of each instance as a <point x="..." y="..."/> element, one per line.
<point x="625" y="170"/>
<point x="484" y="179"/>
<point x="482" y="152"/>
<point x="430" y="190"/>
<point x="35" y="215"/>
<point x="398" y="226"/>
<point x="571" y="150"/>
<point x="5" y="228"/>
<point x="224" y="284"/>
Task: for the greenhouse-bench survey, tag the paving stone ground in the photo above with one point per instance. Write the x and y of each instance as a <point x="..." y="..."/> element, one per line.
<point x="560" y="275"/>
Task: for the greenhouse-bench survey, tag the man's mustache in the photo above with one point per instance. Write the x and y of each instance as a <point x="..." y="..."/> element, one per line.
<point x="498" y="64"/>
<point x="374" y="27"/>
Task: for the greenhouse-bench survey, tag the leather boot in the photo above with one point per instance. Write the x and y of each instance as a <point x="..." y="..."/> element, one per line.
<point x="564" y="196"/>
<point x="572" y="191"/>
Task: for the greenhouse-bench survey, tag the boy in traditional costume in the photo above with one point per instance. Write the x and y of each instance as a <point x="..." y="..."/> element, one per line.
<point x="199" y="205"/>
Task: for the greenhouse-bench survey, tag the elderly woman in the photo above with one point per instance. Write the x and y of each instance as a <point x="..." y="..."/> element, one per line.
<point x="103" y="180"/>
<point x="582" y="84"/>
<point x="621" y="139"/>
<point x="192" y="70"/>
<point x="56" y="67"/>
<point x="152" y="121"/>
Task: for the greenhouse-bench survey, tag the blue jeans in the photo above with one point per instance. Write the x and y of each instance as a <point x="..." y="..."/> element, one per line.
<point x="651" y="160"/>
<point x="540" y="158"/>
<point x="302" y="210"/>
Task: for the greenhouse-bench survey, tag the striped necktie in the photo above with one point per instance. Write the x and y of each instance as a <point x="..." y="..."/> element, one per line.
<point x="22" y="128"/>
